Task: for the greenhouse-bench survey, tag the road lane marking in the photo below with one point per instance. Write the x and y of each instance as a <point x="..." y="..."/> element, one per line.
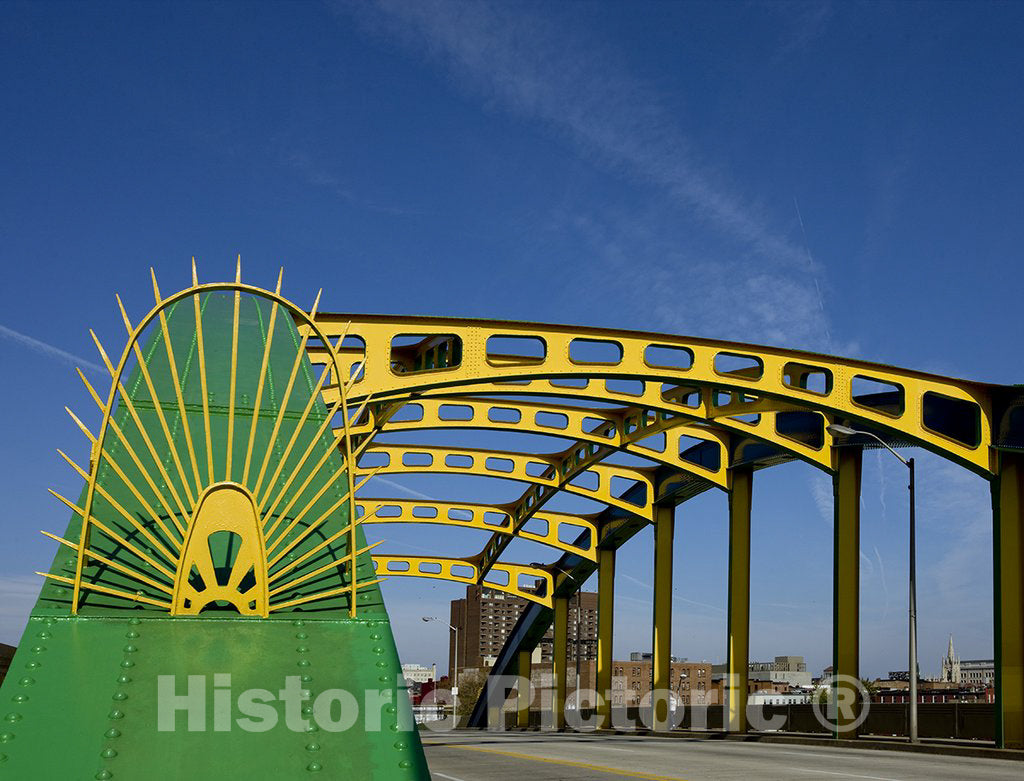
<point x="442" y="775"/>
<point x="569" y="763"/>
<point x="845" y="775"/>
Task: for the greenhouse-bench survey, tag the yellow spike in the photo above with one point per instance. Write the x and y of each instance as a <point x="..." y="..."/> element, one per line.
<point x="58" y="539"/>
<point x="88" y="387"/>
<point x="111" y="591"/>
<point x="74" y="507"/>
<point x="103" y="353"/>
<point x="115" y="537"/>
<point x="81" y="425"/>
<point x="319" y="571"/>
<point x="81" y="472"/>
<point x="280" y="276"/>
<point x="321" y="595"/>
<point x="294" y="471"/>
<point x="238" y="270"/>
<point x="124" y="314"/>
<point x="156" y="287"/>
<point x="195" y="277"/>
<point x="316" y="303"/>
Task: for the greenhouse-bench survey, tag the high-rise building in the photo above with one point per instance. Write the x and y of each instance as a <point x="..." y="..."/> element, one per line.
<point x="485" y="618"/>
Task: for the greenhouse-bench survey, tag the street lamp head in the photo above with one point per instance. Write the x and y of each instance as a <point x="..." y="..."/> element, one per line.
<point x="846" y="431"/>
<point x="429" y="618"/>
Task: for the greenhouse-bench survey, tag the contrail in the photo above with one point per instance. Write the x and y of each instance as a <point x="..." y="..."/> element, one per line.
<point x="403" y="489"/>
<point x="814" y="276"/>
<point x="50" y="351"/>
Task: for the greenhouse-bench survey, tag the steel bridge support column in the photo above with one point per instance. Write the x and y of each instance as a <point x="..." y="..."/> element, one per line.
<point x="846" y="581"/>
<point x="664" y="532"/>
<point x="1008" y="569"/>
<point x="524" y="661"/>
<point x="560" y="658"/>
<point x="739" y="597"/>
<point x="605" y="619"/>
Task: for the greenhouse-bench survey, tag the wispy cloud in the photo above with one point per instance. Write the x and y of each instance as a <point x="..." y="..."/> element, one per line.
<point x="581" y="89"/>
<point x="49" y="350"/>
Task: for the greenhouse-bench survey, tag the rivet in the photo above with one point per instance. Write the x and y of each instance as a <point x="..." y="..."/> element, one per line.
<point x="378" y="650"/>
<point x="375" y="636"/>
<point x="38" y="649"/>
<point x="303" y="649"/>
<point x="115" y="714"/>
<point x="112" y="733"/>
<point x="131" y="634"/>
<point x="123" y="679"/>
<point x="19" y="698"/>
<point x="108" y="753"/>
<point x="298" y="623"/>
<point x="405" y="763"/>
<point x="303" y="662"/>
<point x="307" y="710"/>
<point x="48" y="622"/>
<point x="134" y="621"/>
<point x="389" y="709"/>
<point x="312" y="728"/>
<point x="314" y="766"/>
<point x="44" y="635"/>
<point x="400" y="744"/>
<point x="60" y="591"/>
<point x="119" y="696"/>
<point x="104" y="774"/>
<point x="393" y="728"/>
<point x="384" y="678"/>
<point x="6" y="737"/>
<point x="26" y="681"/>
<point x="381" y="663"/>
<point x="312" y="747"/>
<point x="301" y="635"/>
<point x="130" y="649"/>
<point x="305" y="677"/>
<point x="127" y="663"/>
<point x="34" y="665"/>
<point x="12" y="717"/>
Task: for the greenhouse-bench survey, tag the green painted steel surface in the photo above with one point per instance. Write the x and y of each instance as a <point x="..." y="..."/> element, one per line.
<point x="81" y="697"/>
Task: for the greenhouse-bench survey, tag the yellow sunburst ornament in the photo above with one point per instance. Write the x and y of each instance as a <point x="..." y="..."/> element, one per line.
<point x="198" y="503"/>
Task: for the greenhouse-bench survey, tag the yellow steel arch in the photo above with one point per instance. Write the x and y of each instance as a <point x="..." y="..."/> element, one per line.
<point x="545" y="471"/>
<point x="503" y="577"/>
<point x="494" y="518"/>
<point x="404" y="356"/>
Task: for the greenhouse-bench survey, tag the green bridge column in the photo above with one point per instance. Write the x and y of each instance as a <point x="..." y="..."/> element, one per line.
<point x="846" y="575"/>
<point x="605" y="619"/>
<point x="560" y="658"/>
<point x="664" y="533"/>
<point x="739" y="597"/>
<point x="1008" y="569"/>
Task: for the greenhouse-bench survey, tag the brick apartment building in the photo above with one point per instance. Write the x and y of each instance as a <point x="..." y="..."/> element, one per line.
<point x="485" y="618"/>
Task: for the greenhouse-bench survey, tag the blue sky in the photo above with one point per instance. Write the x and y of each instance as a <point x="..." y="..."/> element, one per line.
<point x="838" y="177"/>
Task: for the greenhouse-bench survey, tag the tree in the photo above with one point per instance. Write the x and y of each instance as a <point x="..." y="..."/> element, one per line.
<point x="471" y="685"/>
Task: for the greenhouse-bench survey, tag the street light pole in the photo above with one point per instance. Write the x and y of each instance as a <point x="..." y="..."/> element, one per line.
<point x="912" y="575"/>
<point x="455" y="661"/>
